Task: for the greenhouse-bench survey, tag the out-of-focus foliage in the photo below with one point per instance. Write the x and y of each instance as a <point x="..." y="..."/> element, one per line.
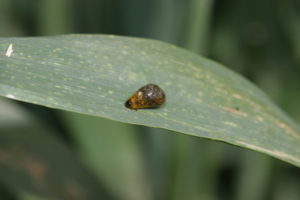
<point x="258" y="38"/>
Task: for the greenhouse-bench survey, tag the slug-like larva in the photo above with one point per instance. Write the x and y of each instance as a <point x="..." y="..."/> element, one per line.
<point x="148" y="96"/>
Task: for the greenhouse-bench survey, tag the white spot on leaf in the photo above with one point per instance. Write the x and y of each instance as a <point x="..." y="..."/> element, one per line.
<point x="9" y="50"/>
<point x="230" y="124"/>
<point x="10" y="96"/>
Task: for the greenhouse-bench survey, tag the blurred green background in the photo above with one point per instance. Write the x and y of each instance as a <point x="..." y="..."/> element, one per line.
<point x="259" y="39"/>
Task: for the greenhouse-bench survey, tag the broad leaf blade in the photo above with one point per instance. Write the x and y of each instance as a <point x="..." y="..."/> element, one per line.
<point x="95" y="75"/>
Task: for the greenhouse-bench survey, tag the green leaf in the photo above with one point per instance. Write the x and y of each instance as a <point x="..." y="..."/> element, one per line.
<point x="95" y="74"/>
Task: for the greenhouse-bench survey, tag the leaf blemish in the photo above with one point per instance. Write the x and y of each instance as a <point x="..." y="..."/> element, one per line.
<point x="234" y="111"/>
<point x="10" y="96"/>
<point x="230" y="124"/>
<point x="237" y="96"/>
<point x="9" y="50"/>
<point x="288" y="129"/>
<point x="258" y="118"/>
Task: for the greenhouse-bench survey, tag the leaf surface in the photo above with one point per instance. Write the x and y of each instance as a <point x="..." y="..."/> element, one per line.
<point x="95" y="74"/>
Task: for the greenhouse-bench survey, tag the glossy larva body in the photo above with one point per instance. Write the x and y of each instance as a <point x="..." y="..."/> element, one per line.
<point x="148" y="96"/>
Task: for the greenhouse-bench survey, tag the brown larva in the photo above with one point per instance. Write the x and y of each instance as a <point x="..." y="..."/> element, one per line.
<point x="148" y="96"/>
